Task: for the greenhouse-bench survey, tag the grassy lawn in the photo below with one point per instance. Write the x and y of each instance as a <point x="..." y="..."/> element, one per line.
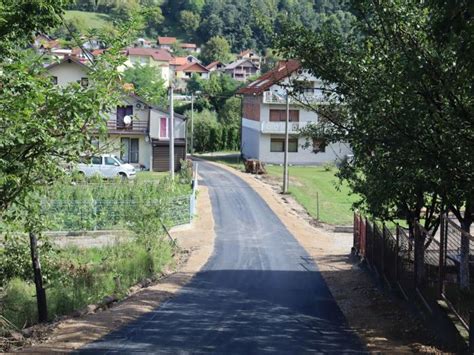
<point x="91" y="19"/>
<point x="308" y="182"/>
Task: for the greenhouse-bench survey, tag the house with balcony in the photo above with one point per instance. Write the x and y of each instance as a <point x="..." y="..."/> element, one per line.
<point x="264" y="117"/>
<point x="241" y="69"/>
<point x="137" y="131"/>
<point x="252" y="56"/>
<point x="156" y="58"/>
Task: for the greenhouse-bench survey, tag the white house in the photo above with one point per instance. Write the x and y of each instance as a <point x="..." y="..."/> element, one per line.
<point x="144" y="141"/>
<point x="264" y="116"/>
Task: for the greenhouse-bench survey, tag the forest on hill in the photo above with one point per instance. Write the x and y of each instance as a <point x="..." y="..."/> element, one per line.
<point x="243" y="23"/>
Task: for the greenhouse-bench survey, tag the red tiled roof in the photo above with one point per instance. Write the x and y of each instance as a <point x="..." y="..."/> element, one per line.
<point x="188" y="45"/>
<point x="193" y="67"/>
<point x="179" y="61"/>
<point x="160" y="55"/>
<point x="166" y="40"/>
<point x="213" y="64"/>
<point x="282" y="70"/>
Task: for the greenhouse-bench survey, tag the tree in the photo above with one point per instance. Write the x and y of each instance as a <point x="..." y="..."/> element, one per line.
<point x="189" y="21"/>
<point x="217" y="48"/>
<point x="44" y="127"/>
<point x="148" y="83"/>
<point x="407" y="113"/>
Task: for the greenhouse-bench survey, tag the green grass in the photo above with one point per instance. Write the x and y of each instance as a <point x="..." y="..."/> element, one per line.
<point x="306" y="183"/>
<point x="150" y="176"/>
<point x="92" y="20"/>
<point x="84" y="276"/>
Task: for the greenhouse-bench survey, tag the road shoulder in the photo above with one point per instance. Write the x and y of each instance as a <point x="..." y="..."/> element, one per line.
<point x="196" y="240"/>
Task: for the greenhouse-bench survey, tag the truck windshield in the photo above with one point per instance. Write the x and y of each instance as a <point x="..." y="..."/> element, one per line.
<point x="119" y="160"/>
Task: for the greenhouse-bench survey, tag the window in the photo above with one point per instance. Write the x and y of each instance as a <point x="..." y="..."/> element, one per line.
<point x="110" y="161"/>
<point x="129" y="152"/>
<point x="163" y="127"/>
<point x="54" y="79"/>
<point x="144" y="60"/>
<point x="280" y="115"/>
<point x="123" y="111"/>
<point x="84" y="82"/>
<point x="277" y="145"/>
<point x="96" y="160"/>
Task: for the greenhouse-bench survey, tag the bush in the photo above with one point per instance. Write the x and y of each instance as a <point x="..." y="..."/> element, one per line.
<point x="328" y="166"/>
<point x="18" y="305"/>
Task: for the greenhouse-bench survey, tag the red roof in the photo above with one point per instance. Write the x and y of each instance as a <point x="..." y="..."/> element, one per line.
<point x="161" y="55"/>
<point x="166" y="40"/>
<point x="213" y="64"/>
<point x="179" y="61"/>
<point x="282" y="70"/>
<point x="188" y="45"/>
<point x="193" y="67"/>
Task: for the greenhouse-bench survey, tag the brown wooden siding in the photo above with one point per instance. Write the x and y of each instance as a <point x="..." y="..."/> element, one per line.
<point x="161" y="155"/>
<point x="251" y="107"/>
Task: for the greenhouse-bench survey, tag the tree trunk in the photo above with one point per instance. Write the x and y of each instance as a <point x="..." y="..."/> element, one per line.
<point x="419" y="256"/>
<point x="40" y="291"/>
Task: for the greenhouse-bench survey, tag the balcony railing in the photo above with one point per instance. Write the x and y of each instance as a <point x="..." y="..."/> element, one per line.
<point x="134" y="127"/>
<point x="279" y="127"/>
<point x="312" y="97"/>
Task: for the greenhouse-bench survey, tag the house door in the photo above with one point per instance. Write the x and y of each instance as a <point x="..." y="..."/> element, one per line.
<point x="130" y="152"/>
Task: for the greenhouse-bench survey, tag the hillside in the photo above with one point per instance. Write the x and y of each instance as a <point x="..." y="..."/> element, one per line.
<point x="91" y="20"/>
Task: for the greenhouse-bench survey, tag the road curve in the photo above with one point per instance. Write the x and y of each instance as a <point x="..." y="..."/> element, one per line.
<point x="259" y="292"/>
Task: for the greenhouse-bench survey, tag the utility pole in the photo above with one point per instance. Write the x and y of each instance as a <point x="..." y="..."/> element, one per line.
<point x="171" y="133"/>
<point x="192" y="123"/>
<point x="285" y="159"/>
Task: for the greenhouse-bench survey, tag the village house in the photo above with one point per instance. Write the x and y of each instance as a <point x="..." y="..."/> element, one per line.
<point x="264" y="118"/>
<point x="169" y="42"/>
<point x="252" y="56"/>
<point x="157" y="58"/>
<point x="185" y="72"/>
<point x="141" y="139"/>
<point x="166" y="42"/>
<point x="241" y="69"/>
<point x="215" y="66"/>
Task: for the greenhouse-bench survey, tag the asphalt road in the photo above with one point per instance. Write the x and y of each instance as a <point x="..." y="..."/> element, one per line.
<point x="259" y="292"/>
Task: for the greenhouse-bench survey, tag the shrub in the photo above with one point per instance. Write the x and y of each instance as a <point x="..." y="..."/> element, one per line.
<point x="328" y="166"/>
<point x="18" y="305"/>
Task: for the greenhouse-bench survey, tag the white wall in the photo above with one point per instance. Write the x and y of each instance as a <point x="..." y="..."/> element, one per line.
<point x="304" y="156"/>
<point x="68" y="73"/>
<point x="250" y="143"/>
<point x="155" y="118"/>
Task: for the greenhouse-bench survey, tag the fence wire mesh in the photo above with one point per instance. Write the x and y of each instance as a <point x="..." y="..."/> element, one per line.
<point x="80" y="215"/>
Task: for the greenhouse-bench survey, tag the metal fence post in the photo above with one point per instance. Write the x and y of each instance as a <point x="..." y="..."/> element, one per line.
<point x="397" y="251"/>
<point x="471" y="332"/>
<point x="441" y="256"/>
<point x="382" y="252"/>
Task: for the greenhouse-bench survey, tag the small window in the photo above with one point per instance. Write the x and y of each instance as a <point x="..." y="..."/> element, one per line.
<point x="163" y="127"/>
<point x="110" y="161"/>
<point x="54" y="79"/>
<point x="84" y="82"/>
<point x="96" y="160"/>
<point x="277" y="145"/>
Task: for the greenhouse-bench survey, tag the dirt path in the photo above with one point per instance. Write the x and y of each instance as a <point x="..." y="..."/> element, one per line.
<point x="383" y="322"/>
<point x="198" y="240"/>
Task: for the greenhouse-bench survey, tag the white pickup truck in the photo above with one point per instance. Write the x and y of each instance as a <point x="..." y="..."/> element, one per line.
<point x="106" y="165"/>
